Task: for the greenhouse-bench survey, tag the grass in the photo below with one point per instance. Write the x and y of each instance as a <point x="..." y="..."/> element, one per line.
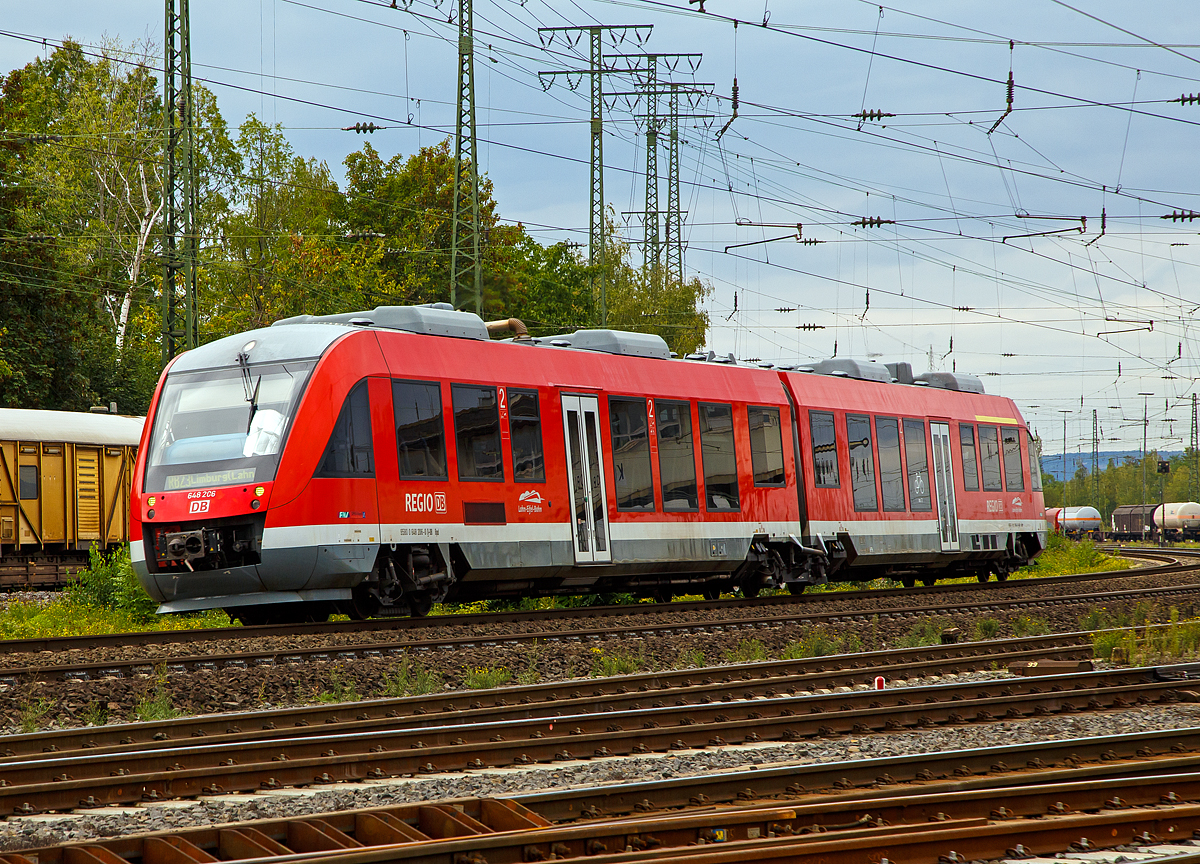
<point x="817" y="642"/>
<point x="409" y="677"/>
<point x="984" y="629"/>
<point x="33" y="713"/>
<point x="1064" y="557"/>
<point x="105" y="598"/>
<point x="747" y="651"/>
<point x="1135" y="634"/>
<point x="157" y="704"/>
<point x="95" y="714"/>
<point x="486" y="677"/>
<point x="926" y="632"/>
<point x="339" y="688"/>
<point x="621" y="663"/>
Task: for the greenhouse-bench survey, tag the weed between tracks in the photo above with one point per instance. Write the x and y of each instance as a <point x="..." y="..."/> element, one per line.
<point x="1126" y="635"/>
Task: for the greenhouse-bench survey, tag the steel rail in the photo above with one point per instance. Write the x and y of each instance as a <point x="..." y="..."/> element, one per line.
<point x="62" y="783"/>
<point x="1174" y="561"/>
<point x="525" y="835"/>
<point x="242" y="660"/>
<point x="561" y="696"/>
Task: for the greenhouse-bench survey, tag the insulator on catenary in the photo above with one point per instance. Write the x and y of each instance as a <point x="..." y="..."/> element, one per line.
<point x="872" y="222"/>
<point x="811" y="327"/>
<point x="363" y="127"/>
<point x="1181" y="215"/>
<point x="808" y="241"/>
<point x="1186" y="99"/>
<point x="875" y="114"/>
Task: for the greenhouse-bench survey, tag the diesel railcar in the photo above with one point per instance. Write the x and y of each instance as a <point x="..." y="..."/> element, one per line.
<point x="64" y="488"/>
<point x="379" y="461"/>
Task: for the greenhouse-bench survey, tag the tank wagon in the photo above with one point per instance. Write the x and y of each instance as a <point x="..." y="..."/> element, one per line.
<point x="64" y="488"/>
<point x="1171" y="521"/>
<point x="380" y="461"/>
<point x="1076" y="522"/>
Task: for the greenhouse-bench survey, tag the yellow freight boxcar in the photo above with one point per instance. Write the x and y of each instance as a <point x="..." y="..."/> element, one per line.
<point x="64" y="487"/>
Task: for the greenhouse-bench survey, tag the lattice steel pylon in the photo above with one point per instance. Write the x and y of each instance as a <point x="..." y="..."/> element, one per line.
<point x="180" y="248"/>
<point x="1095" y="459"/>
<point x="1192" y="479"/>
<point x="465" y="262"/>
<point x="596" y="72"/>
<point x="650" y="224"/>
<point x="674" y="223"/>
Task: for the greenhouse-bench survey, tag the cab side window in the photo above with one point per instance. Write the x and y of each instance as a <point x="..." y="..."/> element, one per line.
<point x="349" y="452"/>
<point x="525" y="430"/>
<point x="420" y="432"/>
<point x="1014" y="477"/>
<point x="966" y="440"/>
<point x="989" y="458"/>
<point x="477" y="430"/>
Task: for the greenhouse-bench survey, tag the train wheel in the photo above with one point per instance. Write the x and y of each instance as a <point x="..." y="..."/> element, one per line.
<point x="908" y="581"/>
<point x="251" y="616"/>
<point x="712" y="594"/>
<point x="420" y="603"/>
<point x="663" y="596"/>
<point x="1002" y="576"/>
<point x="928" y="581"/>
<point x="982" y="576"/>
<point x="796" y="587"/>
<point x="750" y="591"/>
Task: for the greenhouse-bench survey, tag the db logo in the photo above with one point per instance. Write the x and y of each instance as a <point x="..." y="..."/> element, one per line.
<point x="199" y="506"/>
<point x="425" y="502"/>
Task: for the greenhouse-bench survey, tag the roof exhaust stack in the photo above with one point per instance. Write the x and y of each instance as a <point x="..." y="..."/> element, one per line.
<point x="518" y="328"/>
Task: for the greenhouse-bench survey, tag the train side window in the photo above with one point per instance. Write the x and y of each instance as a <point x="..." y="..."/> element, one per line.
<point x="862" y="463"/>
<point x="349" y="452"/>
<point x="966" y="441"/>
<point x="631" y="454"/>
<point x="1014" y="475"/>
<point x="766" y="446"/>
<point x="1035" y="462"/>
<point x="824" y="450"/>
<point x="989" y="458"/>
<point x="916" y="456"/>
<point x="420" y="432"/>
<point x="28" y="481"/>
<point x="719" y="457"/>
<point x="525" y="429"/>
<point x="891" y="468"/>
<point x="676" y="456"/>
<point x="477" y="432"/>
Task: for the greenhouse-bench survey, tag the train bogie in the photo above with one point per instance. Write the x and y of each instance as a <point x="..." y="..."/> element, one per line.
<point x="381" y="461"/>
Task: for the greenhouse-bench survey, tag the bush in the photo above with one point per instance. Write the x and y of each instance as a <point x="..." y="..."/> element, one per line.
<point x="815" y="643"/>
<point x="927" y="632"/>
<point x="984" y="629"/>
<point x="110" y="583"/>
<point x="1027" y="625"/>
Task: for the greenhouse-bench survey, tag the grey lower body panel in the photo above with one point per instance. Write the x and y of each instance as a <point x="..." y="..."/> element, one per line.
<point x="263" y="598"/>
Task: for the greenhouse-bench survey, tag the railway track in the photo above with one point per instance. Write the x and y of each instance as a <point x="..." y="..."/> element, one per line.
<point x="1101" y="796"/>
<point x="1174" y="561"/>
<point x="46" y="669"/>
<point x="690" y="716"/>
<point x="768" y="678"/>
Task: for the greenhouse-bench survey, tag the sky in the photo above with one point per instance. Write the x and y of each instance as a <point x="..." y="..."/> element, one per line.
<point x="1027" y="247"/>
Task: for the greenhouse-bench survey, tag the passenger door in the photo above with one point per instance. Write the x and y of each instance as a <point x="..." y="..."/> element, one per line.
<point x="585" y="474"/>
<point x="943" y="473"/>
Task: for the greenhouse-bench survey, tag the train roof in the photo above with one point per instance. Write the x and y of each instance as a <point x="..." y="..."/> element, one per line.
<point x="69" y="427"/>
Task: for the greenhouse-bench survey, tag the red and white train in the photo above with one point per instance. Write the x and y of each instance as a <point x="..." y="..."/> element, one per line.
<point x="377" y="462"/>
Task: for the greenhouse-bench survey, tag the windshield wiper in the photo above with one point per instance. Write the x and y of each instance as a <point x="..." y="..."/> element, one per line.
<point x="251" y="391"/>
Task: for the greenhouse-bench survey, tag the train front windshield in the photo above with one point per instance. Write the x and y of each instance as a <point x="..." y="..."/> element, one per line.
<point x="222" y="427"/>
